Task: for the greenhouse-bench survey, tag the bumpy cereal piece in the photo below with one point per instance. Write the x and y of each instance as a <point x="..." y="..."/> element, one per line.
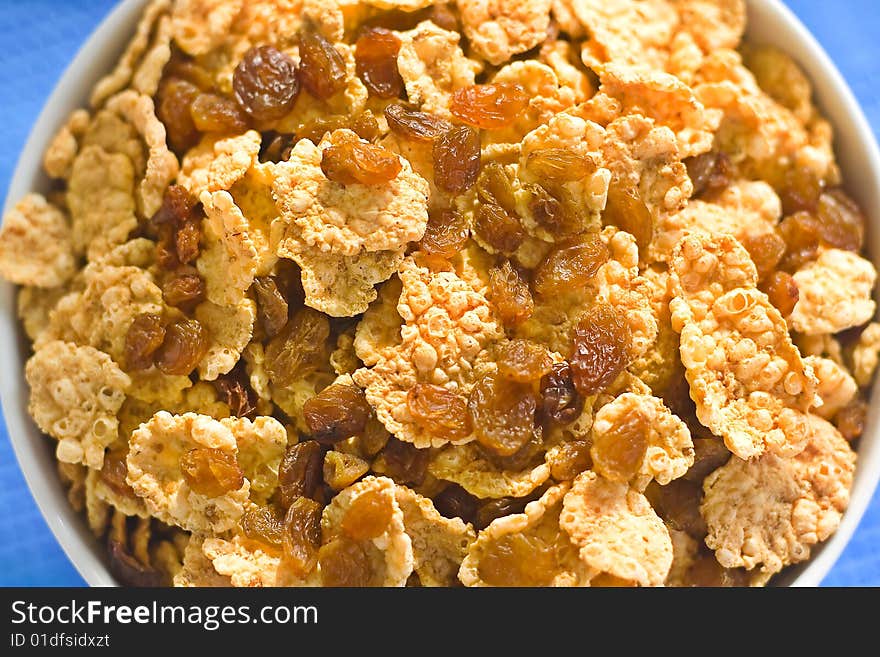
<point x="153" y="386"/>
<point x="447" y="330"/>
<point x="835" y="293"/>
<point x="98" y="512"/>
<point x="198" y="26"/>
<point x="229" y="259"/>
<point x="389" y="555"/>
<point x="433" y="66"/>
<point x="231" y="328"/>
<point x="245" y="562"/>
<point x="781" y="77"/>
<point x="668" y="449"/>
<point x="75" y="394"/>
<point x="660" y="366"/>
<point x="498" y="30"/>
<point x="129" y="504"/>
<point x="561" y="57"/>
<point x="713" y="23"/>
<point x="439" y="544"/>
<point x="748" y="380"/>
<point x="616" y="530"/>
<point x="526" y="549"/>
<point x="100" y="196"/>
<point x="59" y="156"/>
<point x="197" y="569"/>
<point x="466" y="466"/>
<point x="218" y="162"/>
<point x="836" y="387"/>
<point x="35" y="244"/>
<point x="770" y="511"/>
<point x="866" y="354"/>
<point x="155" y="449"/>
<point x="684" y="554"/>
<point x="261" y="445"/>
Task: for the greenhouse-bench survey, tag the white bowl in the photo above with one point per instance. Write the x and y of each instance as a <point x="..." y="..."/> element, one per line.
<point x="769" y="22"/>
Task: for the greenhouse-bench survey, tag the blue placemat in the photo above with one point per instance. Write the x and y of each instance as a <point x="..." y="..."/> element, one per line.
<point x="37" y="40"/>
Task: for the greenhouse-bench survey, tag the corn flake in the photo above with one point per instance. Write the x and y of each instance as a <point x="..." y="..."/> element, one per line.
<point x="231" y="328"/>
<point x="498" y="30"/>
<point x="866" y="354"/>
<point x="466" y="466"/>
<point x="836" y="386"/>
<point x="36" y="246"/>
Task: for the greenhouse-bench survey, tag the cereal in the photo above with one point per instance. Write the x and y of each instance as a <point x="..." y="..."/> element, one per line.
<point x="866" y="354"/>
<point x="64" y="145"/>
<point x="498" y="30"/>
<point x="466" y="466"/>
<point x="230" y="328"/>
<point x="836" y="387"/>
<point x="35" y="244"/>
<point x="217" y="163"/>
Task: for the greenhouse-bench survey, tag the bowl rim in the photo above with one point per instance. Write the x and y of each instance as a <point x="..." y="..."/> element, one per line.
<point x="34" y="455"/>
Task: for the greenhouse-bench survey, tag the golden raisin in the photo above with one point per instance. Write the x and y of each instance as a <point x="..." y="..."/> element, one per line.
<point x="211" y="472"/>
<point x="489" y="106"/>
<point x="709" y="455"/>
<point x="556" y="212"/>
<point x="114" y="472"/>
<point x="842" y="221"/>
<point x="601" y="347"/>
<point x="321" y="66"/>
<point x="782" y="290"/>
<point x="709" y="172"/>
<point x="364" y="125"/>
<point x="625" y="209"/>
<point x="302" y="536"/>
<point x="403" y="462"/>
<point x="499" y="229"/>
<point x="186" y="343"/>
<point x="299" y="473"/>
<point x="799" y="189"/>
<point x="518" y="560"/>
<point x="678" y="503"/>
<point x="618" y="453"/>
<point x="495" y="187"/>
<point x="213" y="113"/>
<point x="344" y="563"/>
<point x="374" y="438"/>
<point x="559" y="165"/>
<point x="802" y="234"/>
<point x="446" y="234"/>
<point x="766" y="250"/>
<point x="144" y="337"/>
<point x="523" y="361"/>
<point x="356" y="162"/>
<point x="183" y="288"/>
<point x="510" y="295"/>
<point x="368" y="516"/>
<point x="456" y="156"/>
<point x="572" y="458"/>
<point x="338" y="412"/>
<point x="439" y="411"/>
<point x="266" y="83"/>
<point x="851" y="419"/>
<point x="570" y="265"/>
<point x="272" y="308"/>
<point x="375" y="54"/>
<point x="173" y="102"/>
<point x="299" y="349"/>
<point x="560" y="402"/>
<point x="503" y="414"/>
<point x="341" y="470"/>
<point x="415" y="125"/>
<point x="264" y="524"/>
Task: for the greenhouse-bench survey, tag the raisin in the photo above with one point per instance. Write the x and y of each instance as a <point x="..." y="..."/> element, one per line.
<point x="187" y="238"/>
<point x="766" y="251"/>
<point x="263" y="524"/>
<point x="403" y="462"/>
<point x="183" y="288"/>
<point x="709" y="172"/>
<point x="186" y="343"/>
<point x="503" y="414"/>
<point x="114" y="472"/>
<point x="415" y="125"/>
<point x="439" y="411"/>
<point x="570" y="265"/>
<point x="496" y="227"/>
<point x="299" y="473"/>
<point x="364" y="125"/>
<point x="341" y="470"/>
<point x="607" y="580"/>
<point x="288" y="279"/>
<point x="272" y="308"/>
<point x="374" y="438"/>
<point x="299" y="349"/>
<point x="446" y="234"/>
<point x="519" y="560"/>
<point x="678" y="503"/>
<point x="455" y="502"/>
<point x="173" y="102"/>
<point x="266" y="83"/>
<point x="706" y="571"/>
<point x="525" y="458"/>
<point x="601" y="347"/>
<point x="456" y="156"/>
<point x="625" y="209"/>
<point x="302" y="536"/>
<point x="321" y="67"/>
<point x="275" y="146"/>
<point x="510" y="295"/>
<point x="375" y="54"/>
<point x="494" y="509"/>
<point x="560" y="402"/>
<point x="368" y="516"/>
<point x="495" y="187"/>
<point x="557" y="212"/>
<point x="211" y="472"/>
<point x="444" y="17"/>
<point x="177" y="207"/>
<point x="236" y="393"/>
<point x="802" y="234"/>
<point x="344" y="563"/>
<point x="144" y="337"/>
<point x="131" y="572"/>
<point x="559" y="165"/>
<point x="782" y="290"/>
<point x="356" y="162"/>
<point x="618" y="453"/>
<point x="709" y="455"/>
<point x="852" y="418"/>
<point x="338" y="412"/>
<point x="841" y="220"/>
<point x="523" y="361"/>
<point x="572" y="458"/>
<point x="799" y="190"/>
<point x="213" y="113"/>
<point x="489" y="106"/>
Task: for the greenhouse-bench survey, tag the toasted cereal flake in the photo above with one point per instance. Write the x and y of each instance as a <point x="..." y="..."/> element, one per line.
<point x="153" y="386"/>
<point x="199" y="26"/>
<point x="59" y="156"/>
<point x="669" y="451"/>
<point x="402" y="5"/>
<point x="565" y="62"/>
<point x="75" y="393"/>
<point x="216" y="163"/>
<point x="823" y="344"/>
<point x="466" y="466"/>
<point x="197" y="569"/>
<point x="245" y="562"/>
<point x="291" y="399"/>
<point x="836" y="386"/>
<point x="129" y="505"/>
<point x="447" y="330"/>
<point x="835" y="293"/>
<point x="498" y="30"/>
<point x="98" y="512"/>
<point x="344" y="359"/>
<point x="231" y="328"/>
<point x="379" y="330"/>
<point x="390" y="555"/>
<point x="866" y="355"/>
<point x="137" y="252"/>
<point x="684" y="554"/>
<point x="781" y="77"/>
<point x="101" y="314"/>
<point x="771" y="510"/>
<point x="439" y="544"/>
<point x="433" y="66"/>
<point x="100" y="196"/>
<point x="202" y="398"/>
<point x="255" y="364"/>
<point x="261" y="445"/>
<point x="713" y="23"/>
<point x="616" y="530"/>
<point x="546" y="555"/>
<point x="143" y="53"/>
<point x="35" y="244"/>
<point x="660" y="366"/>
<point x="748" y="380"/>
<point x="155" y="449"/>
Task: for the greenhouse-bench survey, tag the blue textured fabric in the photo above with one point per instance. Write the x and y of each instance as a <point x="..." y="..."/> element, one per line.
<point x="37" y="40"/>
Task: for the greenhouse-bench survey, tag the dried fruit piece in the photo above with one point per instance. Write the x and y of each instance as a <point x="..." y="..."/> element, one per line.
<point x="236" y="393"/>
<point x="456" y="157"/>
<point x="618" y="453"/>
<point x="626" y="210"/>
<point x="321" y="66"/>
<point x="510" y="294"/>
<point x="495" y="187"/>
<point x="803" y="235"/>
<point x="338" y="412"/>
<point x="213" y="113"/>
<point x="211" y="472"/>
<point x="455" y="502"/>
<point x="356" y="162"/>
<point x="852" y="418"/>
<point x="173" y="102"/>
<point x="403" y="462"/>
<point x="183" y="288"/>
<point x="499" y="229"/>
<point x="570" y="459"/>
<point x="439" y="411"/>
<point x="113" y="473"/>
<point x="571" y="265"/>
<point x="343" y="563"/>
<point x="272" y="308"/>
<point x="186" y="343"/>
<point x="710" y="172"/>
<point x="523" y="361"/>
<point x="678" y="503"/>
<point x="841" y="220"/>
<point x="559" y="165"/>
<point x="489" y="106"/>
<point x="131" y="572"/>
<point x="143" y="339"/>
<point x="446" y="233"/>
<point x="601" y="349"/>
<point x="375" y="55"/>
<point x="782" y="290"/>
<point x="503" y="414"/>
<point x="560" y="401"/>
<point x="368" y="516"/>
<point x="302" y="536"/>
<point x="557" y="212"/>
<point x="299" y="473"/>
<point x="415" y="125"/>
<point x="264" y="524"/>
<point x="299" y="348"/>
<point x="266" y="83"/>
<point x="341" y="470"/>
<point x="766" y="251"/>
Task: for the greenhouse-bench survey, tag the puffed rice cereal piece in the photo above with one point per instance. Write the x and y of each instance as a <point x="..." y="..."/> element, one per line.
<point x="231" y="328"/>
<point x="197" y="568"/>
<point x="246" y="563"/>
<point x="866" y="354"/>
<point x="836" y="386"/>
<point x="218" y="162"/>
<point x="199" y="26"/>
<point x="466" y="466"/>
<point x="35" y="244"/>
<point x="498" y="30"/>
<point x="62" y="150"/>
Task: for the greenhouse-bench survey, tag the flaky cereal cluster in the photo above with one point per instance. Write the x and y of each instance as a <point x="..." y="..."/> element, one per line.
<point x="415" y="293"/>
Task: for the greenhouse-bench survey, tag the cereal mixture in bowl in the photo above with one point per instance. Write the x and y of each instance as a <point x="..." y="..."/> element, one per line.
<point x="407" y="293"/>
